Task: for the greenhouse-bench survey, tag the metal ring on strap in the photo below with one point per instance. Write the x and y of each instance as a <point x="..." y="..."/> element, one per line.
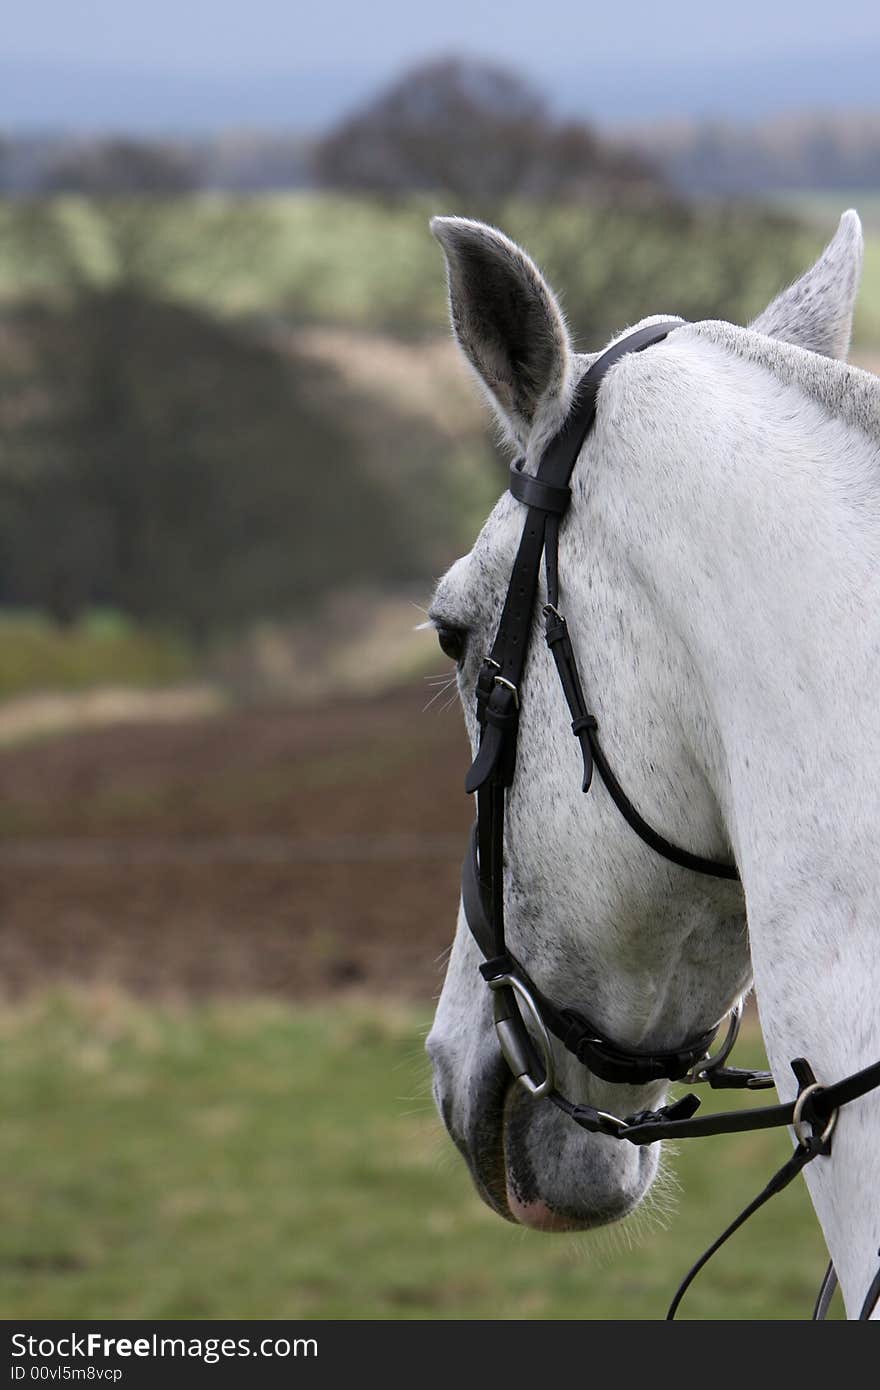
<point x="799" y="1124"/>
<point x="701" y="1071"/>
<point x="510" y="1032"/>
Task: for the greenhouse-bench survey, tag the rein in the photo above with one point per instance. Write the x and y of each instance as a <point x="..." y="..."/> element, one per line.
<point x="529" y="1054"/>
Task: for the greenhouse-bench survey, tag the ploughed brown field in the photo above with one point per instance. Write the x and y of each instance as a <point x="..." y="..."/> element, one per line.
<point x="294" y="852"/>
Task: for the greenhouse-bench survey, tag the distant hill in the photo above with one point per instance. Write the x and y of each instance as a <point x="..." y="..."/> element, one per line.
<point x="807" y="153"/>
<point x="235" y="162"/>
<point x="804" y="152"/>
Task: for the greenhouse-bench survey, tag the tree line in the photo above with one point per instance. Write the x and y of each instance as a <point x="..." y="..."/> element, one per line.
<point x="193" y="469"/>
<point x="178" y="467"/>
<point x="473" y="129"/>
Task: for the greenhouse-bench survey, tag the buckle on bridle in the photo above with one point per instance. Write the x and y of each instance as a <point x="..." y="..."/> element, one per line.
<point x="513" y="1038"/>
<point x="508" y="685"/>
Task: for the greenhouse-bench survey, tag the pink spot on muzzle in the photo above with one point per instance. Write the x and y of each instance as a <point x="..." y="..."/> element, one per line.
<point x="536" y="1215"/>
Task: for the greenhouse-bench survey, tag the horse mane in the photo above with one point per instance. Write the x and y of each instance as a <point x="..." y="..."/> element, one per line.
<point x="848" y="393"/>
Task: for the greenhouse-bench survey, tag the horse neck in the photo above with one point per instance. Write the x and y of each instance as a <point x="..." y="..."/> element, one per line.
<point x="762" y="553"/>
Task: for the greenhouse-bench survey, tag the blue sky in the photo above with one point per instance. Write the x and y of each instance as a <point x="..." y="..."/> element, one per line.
<point x="191" y="63"/>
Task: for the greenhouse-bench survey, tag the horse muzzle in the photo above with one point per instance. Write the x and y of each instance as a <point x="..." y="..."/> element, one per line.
<point x="528" y="1163"/>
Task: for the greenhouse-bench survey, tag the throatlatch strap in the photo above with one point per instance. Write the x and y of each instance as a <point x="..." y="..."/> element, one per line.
<point x="586" y="729"/>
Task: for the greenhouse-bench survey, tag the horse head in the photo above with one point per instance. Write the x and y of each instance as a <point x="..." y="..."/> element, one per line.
<point x="651" y="953"/>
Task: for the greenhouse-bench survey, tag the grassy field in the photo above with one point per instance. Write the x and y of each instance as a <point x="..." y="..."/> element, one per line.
<point x="229" y="1157"/>
<point x="253" y="1159"/>
<point x="348" y="261"/>
<point x="37" y="654"/>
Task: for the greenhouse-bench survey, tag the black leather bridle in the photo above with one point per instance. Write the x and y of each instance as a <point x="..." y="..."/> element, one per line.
<point x="529" y="1054"/>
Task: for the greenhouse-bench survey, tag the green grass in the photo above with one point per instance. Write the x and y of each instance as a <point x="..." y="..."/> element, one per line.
<point x="37" y="655"/>
<point x="326" y="258"/>
<point x="249" y="1159"/>
<point x="320" y="258"/>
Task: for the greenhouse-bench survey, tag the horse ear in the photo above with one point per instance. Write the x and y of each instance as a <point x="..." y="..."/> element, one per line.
<point x="508" y="324"/>
<point x="816" y="312"/>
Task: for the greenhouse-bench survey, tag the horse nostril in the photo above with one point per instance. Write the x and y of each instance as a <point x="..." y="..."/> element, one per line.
<point x="444" y="1105"/>
<point x="441" y="1098"/>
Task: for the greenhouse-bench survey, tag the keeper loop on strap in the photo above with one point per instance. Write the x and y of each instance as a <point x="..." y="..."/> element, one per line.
<point x="534" y="493"/>
<point x="502" y="709"/>
<point x="498" y="965"/>
<point x="582" y="723"/>
<point x="555" y="631"/>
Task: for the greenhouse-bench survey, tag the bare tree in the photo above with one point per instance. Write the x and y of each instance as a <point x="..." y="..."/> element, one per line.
<point x="478" y="132"/>
<point x="183" y="468"/>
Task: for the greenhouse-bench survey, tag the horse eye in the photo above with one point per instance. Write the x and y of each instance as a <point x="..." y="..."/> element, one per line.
<point x="452" y="640"/>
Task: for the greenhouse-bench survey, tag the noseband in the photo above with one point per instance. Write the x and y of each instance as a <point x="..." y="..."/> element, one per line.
<point x="529" y="1051"/>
